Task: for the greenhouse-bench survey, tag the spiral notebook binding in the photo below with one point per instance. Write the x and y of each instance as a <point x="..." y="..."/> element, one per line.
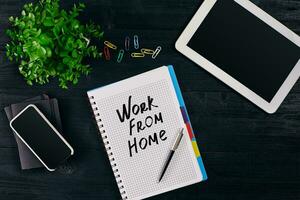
<point x="110" y="154"/>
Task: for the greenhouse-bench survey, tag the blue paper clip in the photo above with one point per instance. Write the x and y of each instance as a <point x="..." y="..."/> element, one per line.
<point x="120" y="56"/>
<point x="127" y="43"/>
<point x="156" y="52"/>
<point x="136" y="42"/>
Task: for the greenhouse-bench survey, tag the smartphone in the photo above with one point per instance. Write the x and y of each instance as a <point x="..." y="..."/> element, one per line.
<point x="41" y="137"/>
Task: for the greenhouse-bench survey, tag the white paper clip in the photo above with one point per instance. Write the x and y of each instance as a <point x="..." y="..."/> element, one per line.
<point x="156" y="52"/>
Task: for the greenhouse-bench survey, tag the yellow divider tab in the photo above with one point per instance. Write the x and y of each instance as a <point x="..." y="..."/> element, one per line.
<point x="195" y="147"/>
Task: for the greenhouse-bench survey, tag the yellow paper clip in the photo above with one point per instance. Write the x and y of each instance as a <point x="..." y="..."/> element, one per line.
<point x="137" y="55"/>
<point x="156" y="52"/>
<point x="147" y="51"/>
<point x="110" y="45"/>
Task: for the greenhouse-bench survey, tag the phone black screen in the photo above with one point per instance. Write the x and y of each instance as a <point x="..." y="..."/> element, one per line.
<point x="246" y="48"/>
<point x="41" y="138"/>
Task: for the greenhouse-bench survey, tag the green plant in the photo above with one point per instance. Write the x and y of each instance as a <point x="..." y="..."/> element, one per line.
<point x="48" y="41"/>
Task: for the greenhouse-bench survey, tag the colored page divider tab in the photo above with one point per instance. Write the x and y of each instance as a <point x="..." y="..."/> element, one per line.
<point x="187" y="121"/>
<point x="195" y="147"/>
<point x="184" y="115"/>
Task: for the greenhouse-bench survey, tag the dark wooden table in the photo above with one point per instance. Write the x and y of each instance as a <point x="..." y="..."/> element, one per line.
<point x="248" y="154"/>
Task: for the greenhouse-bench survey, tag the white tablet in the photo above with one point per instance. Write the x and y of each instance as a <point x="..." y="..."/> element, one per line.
<point x="244" y="47"/>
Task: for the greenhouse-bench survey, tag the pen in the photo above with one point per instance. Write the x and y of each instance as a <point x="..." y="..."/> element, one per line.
<point x="174" y="147"/>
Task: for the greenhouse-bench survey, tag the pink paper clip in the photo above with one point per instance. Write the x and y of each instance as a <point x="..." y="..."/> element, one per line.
<point x="106" y="53"/>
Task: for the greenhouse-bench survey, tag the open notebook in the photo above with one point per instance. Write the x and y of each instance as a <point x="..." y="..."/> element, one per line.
<point x="139" y="119"/>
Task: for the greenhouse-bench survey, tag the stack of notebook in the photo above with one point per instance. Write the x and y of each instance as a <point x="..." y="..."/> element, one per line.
<point x="49" y="108"/>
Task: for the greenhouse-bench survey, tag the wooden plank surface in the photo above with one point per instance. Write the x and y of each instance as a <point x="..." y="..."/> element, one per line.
<point x="248" y="154"/>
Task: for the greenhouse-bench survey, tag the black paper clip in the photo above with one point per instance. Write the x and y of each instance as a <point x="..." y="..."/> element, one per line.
<point x="127" y="43"/>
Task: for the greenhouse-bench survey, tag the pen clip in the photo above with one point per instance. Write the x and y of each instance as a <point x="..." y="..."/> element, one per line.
<point x="178" y="139"/>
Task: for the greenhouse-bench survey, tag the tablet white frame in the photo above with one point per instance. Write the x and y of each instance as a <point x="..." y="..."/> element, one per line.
<point x="181" y="46"/>
<point x="51" y="126"/>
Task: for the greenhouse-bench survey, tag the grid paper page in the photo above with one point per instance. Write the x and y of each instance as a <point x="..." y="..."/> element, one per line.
<point x="140" y="170"/>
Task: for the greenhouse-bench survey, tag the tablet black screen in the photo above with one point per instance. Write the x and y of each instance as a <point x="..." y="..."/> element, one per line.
<point x="246" y="48"/>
